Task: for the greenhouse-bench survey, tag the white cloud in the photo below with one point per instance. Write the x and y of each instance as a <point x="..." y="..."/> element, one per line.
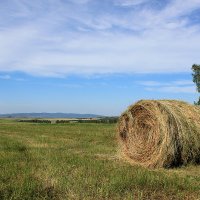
<point x="178" y="8"/>
<point x="60" y="38"/>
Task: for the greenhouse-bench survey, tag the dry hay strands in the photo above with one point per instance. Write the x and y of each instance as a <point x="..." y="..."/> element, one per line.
<point x="160" y="133"/>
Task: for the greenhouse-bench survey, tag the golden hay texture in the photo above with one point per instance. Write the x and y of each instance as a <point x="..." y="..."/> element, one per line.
<point x="160" y="133"/>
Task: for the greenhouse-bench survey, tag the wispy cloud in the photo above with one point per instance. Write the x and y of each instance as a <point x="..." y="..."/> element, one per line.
<point x="173" y="89"/>
<point x="56" y="38"/>
<point x="183" y="82"/>
<point x="149" y="83"/>
<point x="130" y="2"/>
<point x="179" y="86"/>
<point x="20" y="79"/>
<point x="6" y="77"/>
<point x="174" y="83"/>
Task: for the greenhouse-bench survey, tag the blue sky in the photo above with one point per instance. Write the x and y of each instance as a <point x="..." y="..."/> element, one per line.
<point x="92" y="56"/>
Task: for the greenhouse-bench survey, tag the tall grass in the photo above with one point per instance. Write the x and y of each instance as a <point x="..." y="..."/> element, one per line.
<point x="80" y="161"/>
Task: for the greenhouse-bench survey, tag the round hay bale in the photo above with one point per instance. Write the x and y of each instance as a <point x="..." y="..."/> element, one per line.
<point x="160" y="133"/>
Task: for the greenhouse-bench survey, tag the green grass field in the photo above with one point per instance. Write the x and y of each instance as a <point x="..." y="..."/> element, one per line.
<point x="81" y="161"/>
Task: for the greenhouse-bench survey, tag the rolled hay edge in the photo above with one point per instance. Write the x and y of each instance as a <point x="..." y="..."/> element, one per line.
<point x="160" y="133"/>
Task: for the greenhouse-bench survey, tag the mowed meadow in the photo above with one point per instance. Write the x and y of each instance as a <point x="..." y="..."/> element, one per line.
<point x="81" y="161"/>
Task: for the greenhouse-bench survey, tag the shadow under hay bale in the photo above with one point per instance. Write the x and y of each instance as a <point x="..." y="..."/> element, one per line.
<point x="160" y="133"/>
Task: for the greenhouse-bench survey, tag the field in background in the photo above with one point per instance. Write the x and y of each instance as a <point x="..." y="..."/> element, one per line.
<point x="80" y="161"/>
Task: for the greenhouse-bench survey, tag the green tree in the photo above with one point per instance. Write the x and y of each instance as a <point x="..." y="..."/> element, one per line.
<point x="196" y="79"/>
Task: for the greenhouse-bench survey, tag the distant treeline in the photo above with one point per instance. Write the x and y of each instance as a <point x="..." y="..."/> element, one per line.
<point x="35" y="121"/>
<point x="106" y="120"/>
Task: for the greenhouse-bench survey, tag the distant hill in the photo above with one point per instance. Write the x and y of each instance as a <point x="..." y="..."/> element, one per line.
<point x="49" y="115"/>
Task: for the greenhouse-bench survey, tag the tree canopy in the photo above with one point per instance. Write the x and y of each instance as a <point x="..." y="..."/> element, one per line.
<point x="196" y="79"/>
